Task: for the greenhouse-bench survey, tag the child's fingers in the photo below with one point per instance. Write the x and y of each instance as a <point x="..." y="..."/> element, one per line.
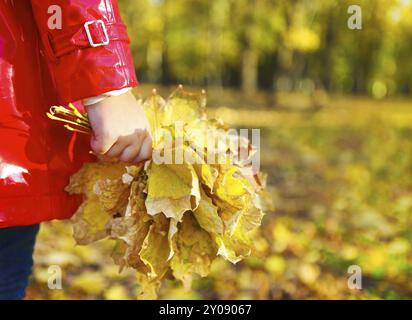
<point x="116" y="150"/>
<point x="129" y="153"/>
<point x="133" y="149"/>
<point x="145" y="151"/>
<point x="101" y="144"/>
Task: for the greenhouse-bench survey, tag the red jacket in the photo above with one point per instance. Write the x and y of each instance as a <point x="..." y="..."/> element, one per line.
<point x="42" y="65"/>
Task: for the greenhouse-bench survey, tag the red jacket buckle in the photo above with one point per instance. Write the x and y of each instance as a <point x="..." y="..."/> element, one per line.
<point x="104" y="41"/>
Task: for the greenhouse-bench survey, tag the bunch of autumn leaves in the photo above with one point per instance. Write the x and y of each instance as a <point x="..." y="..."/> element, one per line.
<point x="170" y="220"/>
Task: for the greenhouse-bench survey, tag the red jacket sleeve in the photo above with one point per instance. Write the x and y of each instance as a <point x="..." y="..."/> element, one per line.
<point x="88" y="52"/>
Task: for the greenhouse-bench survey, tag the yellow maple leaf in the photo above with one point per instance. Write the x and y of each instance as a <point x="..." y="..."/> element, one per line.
<point x="91" y="218"/>
<point x="207" y="215"/>
<point x="171" y="189"/>
<point x="84" y="180"/>
<point x="185" y="106"/>
<point x="155" y="249"/>
<point x="194" y="251"/>
<point x="148" y="287"/>
<point x="89" y="222"/>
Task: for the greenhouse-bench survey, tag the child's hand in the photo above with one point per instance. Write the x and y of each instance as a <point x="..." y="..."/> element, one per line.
<point x="120" y="129"/>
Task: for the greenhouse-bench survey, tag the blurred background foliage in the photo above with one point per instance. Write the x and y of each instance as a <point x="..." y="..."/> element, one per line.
<point x="334" y="110"/>
<point x="276" y="45"/>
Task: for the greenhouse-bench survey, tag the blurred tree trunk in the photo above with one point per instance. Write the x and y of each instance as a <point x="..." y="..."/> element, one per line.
<point x="154" y="60"/>
<point x="250" y="56"/>
<point x="327" y="54"/>
<point x="216" y="25"/>
<point x="165" y="73"/>
<point x="284" y="54"/>
<point x="250" y="62"/>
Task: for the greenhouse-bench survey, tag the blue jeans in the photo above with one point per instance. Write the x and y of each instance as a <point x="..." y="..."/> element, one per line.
<point x="16" y="261"/>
